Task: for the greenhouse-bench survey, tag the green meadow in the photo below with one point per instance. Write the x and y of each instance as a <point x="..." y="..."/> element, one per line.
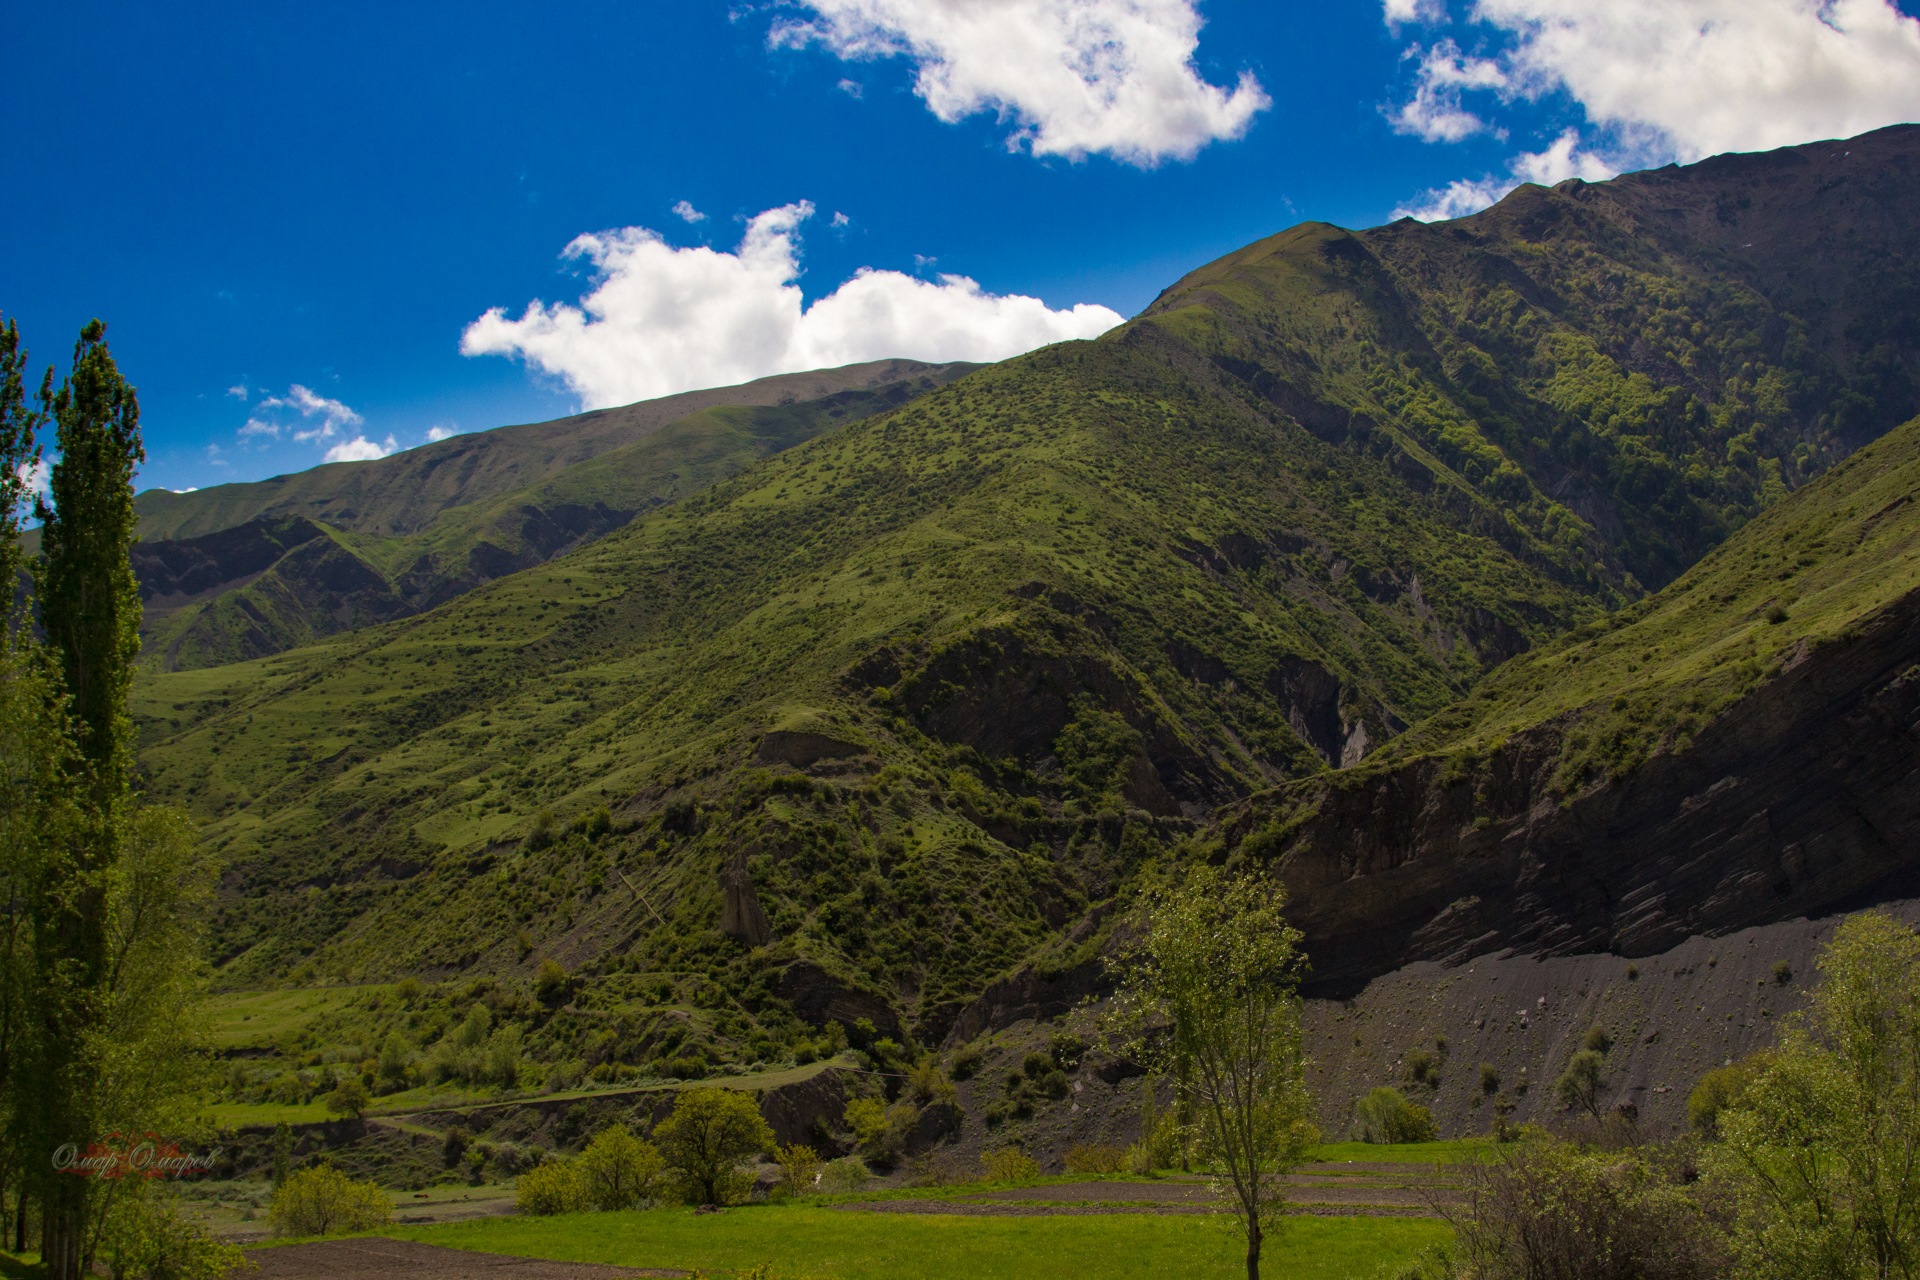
<point x="804" y="1243"/>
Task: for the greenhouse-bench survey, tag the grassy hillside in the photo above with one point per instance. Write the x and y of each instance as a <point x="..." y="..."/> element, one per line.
<point x="408" y="492"/>
<point x="1737" y="750"/>
<point x="899" y="708"/>
<point x="351" y="545"/>
<point x="1801" y="576"/>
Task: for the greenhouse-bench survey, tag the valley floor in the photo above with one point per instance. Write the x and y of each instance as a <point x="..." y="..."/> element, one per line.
<point x="822" y="1243"/>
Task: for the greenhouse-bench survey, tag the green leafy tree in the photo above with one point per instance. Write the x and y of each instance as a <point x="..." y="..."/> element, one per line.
<point x="1211" y="996"/>
<point x="349" y="1098"/>
<point x="322" y="1201"/>
<point x="103" y="979"/>
<point x="90" y="613"/>
<point x="618" y="1170"/>
<point x="709" y="1134"/>
<point x="553" y="1187"/>
<point x="1822" y="1146"/>
<point x="32" y="773"/>
<point x="1581" y="1086"/>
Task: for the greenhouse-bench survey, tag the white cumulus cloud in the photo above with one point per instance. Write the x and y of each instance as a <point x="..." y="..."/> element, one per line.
<point x="1564" y="159"/>
<point x="361" y="449"/>
<point x="687" y="213"/>
<point x="1435" y="111"/>
<point x="1075" y="77"/>
<point x="661" y="319"/>
<point x="441" y="431"/>
<point x="1707" y="76"/>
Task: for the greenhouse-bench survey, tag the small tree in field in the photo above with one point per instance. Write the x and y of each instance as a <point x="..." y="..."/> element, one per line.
<point x="323" y="1201"/>
<point x="618" y="1170"/>
<point x="1211" y="996"/>
<point x="709" y="1134"/>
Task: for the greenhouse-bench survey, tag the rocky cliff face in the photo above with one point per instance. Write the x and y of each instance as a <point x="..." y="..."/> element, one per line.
<point x="1803" y="798"/>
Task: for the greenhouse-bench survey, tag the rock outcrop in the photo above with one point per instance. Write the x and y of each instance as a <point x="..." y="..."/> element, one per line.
<point x="1802" y="798"/>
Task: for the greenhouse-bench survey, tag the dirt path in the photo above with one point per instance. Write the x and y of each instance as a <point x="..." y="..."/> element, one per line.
<point x="375" y="1258"/>
<point x="1333" y="1190"/>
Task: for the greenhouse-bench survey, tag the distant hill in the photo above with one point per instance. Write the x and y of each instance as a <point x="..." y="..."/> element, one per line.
<point x="929" y="689"/>
<point x="243" y="570"/>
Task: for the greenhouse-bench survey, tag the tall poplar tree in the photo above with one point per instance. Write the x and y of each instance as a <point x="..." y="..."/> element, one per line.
<point x="89" y="610"/>
<point x="29" y="775"/>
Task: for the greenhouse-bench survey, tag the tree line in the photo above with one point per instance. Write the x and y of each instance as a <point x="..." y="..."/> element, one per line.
<point x="101" y="1040"/>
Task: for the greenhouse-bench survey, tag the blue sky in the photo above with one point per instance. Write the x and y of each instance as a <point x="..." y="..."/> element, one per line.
<point x="290" y="214"/>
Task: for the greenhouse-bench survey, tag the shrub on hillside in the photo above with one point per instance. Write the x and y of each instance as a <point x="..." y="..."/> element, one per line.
<point x="1096" y="1158"/>
<point x="548" y="1188"/>
<point x="845" y="1176"/>
<point x="928" y="1084"/>
<point x="1581" y="1086"/>
<point x="349" y="1098"/>
<point x="323" y="1201"/>
<point x="799" y="1168"/>
<point x="1008" y="1164"/>
<point x="1385" y="1115"/>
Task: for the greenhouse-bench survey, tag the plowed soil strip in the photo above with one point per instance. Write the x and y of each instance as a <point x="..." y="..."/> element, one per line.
<point x="376" y="1258"/>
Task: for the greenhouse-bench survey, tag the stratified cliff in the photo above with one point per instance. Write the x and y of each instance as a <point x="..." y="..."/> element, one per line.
<point x="1742" y="748"/>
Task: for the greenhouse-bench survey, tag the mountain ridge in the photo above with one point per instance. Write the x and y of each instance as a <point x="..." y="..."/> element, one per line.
<point x="932" y="688"/>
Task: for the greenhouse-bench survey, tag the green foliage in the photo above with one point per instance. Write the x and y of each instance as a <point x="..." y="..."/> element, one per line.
<point x="1096" y="1158"/>
<point x="844" y="1176"/>
<point x="350" y="1098"/>
<point x="1009" y="1165"/>
<point x="322" y="1201"/>
<point x="1606" y="699"/>
<point x="101" y="1029"/>
<point x="800" y="1167"/>
<point x="147" y="1236"/>
<point x="552" y="984"/>
<point x="552" y="1187"/>
<point x="1546" y="1208"/>
<point x="620" y="1171"/>
<point x="409" y="531"/>
<point x="1218" y="965"/>
<point x="1385" y="1115"/>
<point x="927" y="1084"/>
<point x="1719" y="1089"/>
<point x="1597" y="1039"/>
<point x="1583" y="1082"/>
<point x="1821" y="1148"/>
<point x="705" y="1139"/>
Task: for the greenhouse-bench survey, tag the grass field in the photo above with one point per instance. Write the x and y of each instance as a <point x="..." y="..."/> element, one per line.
<point x="269" y="1019"/>
<point x="805" y="1243"/>
<point x="247" y="1115"/>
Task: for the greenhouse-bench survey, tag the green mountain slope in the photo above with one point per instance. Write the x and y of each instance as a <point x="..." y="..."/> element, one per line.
<point x="407" y="492"/>
<point x="368" y="542"/>
<point x="898" y="709"/>
<point x="1741" y="748"/>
